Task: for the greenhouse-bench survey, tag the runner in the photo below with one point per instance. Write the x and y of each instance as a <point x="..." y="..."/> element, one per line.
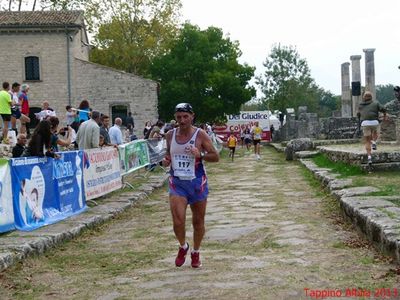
<point x="242" y="127"/>
<point x="232" y="142"/>
<point x="247" y="137"/>
<point x="256" y="131"/>
<point x="368" y="112"/>
<point x="187" y="147"/>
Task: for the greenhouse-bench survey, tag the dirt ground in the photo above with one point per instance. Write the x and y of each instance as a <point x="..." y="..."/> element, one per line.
<point x="272" y="233"/>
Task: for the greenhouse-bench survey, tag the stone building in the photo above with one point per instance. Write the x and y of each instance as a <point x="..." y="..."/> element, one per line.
<point x="49" y="50"/>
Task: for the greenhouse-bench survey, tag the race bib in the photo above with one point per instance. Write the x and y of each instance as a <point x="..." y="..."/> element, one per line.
<point x="183" y="165"/>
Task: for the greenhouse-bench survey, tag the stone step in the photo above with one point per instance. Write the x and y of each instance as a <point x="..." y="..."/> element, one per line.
<point x="391" y="166"/>
<point x="305" y="154"/>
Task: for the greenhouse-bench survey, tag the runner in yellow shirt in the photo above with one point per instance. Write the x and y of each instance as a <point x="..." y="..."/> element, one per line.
<point x="232" y="143"/>
<point x="257" y="132"/>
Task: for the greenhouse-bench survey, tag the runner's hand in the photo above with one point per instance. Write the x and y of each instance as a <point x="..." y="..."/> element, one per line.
<point x="166" y="161"/>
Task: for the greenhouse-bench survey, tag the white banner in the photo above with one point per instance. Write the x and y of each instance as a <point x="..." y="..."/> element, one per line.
<point x="248" y="118"/>
<point x="102" y="172"/>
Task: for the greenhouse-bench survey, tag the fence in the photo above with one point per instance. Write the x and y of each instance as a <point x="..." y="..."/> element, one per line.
<point x="37" y="191"/>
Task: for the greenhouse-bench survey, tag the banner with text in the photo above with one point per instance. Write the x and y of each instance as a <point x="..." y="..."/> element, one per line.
<point x="6" y="203"/>
<point x="47" y="190"/>
<point x="133" y="156"/>
<point x="157" y="149"/>
<point x="102" y="172"/>
<point x="239" y="122"/>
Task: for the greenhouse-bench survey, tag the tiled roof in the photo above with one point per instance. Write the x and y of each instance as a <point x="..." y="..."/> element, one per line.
<point x="39" y="18"/>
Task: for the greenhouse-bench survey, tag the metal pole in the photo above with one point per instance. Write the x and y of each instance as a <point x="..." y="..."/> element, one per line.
<point x="68" y="67"/>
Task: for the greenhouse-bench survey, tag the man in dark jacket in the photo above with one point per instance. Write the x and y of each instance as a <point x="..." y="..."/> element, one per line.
<point x="20" y="146"/>
<point x="368" y="112"/>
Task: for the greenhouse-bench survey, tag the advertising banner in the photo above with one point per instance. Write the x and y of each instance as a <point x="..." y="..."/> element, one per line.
<point x="6" y="202"/>
<point x="47" y="190"/>
<point x="247" y="118"/>
<point x="134" y="155"/>
<point x="102" y="173"/>
<point x="157" y="150"/>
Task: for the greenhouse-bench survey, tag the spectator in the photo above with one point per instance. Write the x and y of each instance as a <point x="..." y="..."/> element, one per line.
<point x="272" y="129"/>
<point x="46" y="106"/>
<point x="147" y="129"/>
<point x="70" y="115"/>
<point x="46" y="112"/>
<point x="129" y="132"/>
<point x="156" y="130"/>
<point x="102" y="141"/>
<point x="20" y="146"/>
<point x="5" y="109"/>
<point x="84" y="110"/>
<point x="55" y="140"/>
<point x="105" y="124"/>
<point x="24" y="101"/>
<point x="40" y="141"/>
<point x="89" y="132"/>
<point x="116" y="133"/>
<point x="130" y="121"/>
<point x="15" y="108"/>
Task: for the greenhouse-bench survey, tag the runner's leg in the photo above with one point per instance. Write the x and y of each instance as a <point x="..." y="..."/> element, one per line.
<point x="198" y="216"/>
<point x="178" y="205"/>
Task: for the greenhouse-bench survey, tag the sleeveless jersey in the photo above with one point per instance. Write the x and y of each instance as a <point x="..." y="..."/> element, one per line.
<point x="183" y="164"/>
<point x="257" y="133"/>
<point x="232" y="141"/>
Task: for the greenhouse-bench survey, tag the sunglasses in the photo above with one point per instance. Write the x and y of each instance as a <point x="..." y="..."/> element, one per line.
<point x="184" y="107"/>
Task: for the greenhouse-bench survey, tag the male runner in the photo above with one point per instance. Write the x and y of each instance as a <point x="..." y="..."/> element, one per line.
<point x="187" y="147"/>
<point x="256" y="131"/>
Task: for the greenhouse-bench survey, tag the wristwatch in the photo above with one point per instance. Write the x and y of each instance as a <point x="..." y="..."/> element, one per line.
<point x="202" y="154"/>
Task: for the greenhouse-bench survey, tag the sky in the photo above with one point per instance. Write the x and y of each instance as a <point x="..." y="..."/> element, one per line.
<point x="325" y="32"/>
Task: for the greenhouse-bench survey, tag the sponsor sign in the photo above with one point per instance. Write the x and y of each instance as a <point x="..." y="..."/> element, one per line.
<point x="102" y="172"/>
<point x="46" y="190"/>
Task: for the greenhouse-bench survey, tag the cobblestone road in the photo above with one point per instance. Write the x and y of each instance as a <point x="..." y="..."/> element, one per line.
<point x="271" y="234"/>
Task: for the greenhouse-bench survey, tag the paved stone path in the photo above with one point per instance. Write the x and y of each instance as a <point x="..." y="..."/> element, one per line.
<point x="270" y="235"/>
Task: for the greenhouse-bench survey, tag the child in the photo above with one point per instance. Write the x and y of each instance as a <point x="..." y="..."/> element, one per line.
<point x="232" y="142"/>
<point x="69" y="115"/>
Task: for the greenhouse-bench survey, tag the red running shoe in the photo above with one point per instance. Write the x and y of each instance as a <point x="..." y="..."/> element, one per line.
<point x="196" y="262"/>
<point x="181" y="257"/>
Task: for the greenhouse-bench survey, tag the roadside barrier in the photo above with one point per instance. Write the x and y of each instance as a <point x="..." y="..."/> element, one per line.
<point x="38" y="191"/>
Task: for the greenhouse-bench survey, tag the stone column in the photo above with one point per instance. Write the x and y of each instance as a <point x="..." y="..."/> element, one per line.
<point x="370" y="72"/>
<point x="346" y="93"/>
<point x="355" y="79"/>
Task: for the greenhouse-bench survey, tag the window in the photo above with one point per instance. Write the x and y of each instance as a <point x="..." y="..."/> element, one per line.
<point x="119" y="111"/>
<point x="32" y="71"/>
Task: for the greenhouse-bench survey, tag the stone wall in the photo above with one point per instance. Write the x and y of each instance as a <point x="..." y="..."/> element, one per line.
<point x="308" y="125"/>
<point x="105" y="87"/>
<point x="102" y="86"/>
<point x="50" y="47"/>
<point x="338" y="128"/>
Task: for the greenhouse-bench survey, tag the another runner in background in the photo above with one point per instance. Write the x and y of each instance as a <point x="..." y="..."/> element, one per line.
<point x="232" y="143"/>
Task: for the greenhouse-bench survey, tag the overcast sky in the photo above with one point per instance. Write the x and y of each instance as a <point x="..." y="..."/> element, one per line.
<point x="325" y="32"/>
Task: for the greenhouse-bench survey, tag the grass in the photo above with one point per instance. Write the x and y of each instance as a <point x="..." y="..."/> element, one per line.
<point x="345" y="170"/>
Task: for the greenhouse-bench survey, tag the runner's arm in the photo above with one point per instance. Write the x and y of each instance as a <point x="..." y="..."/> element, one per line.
<point x="210" y="154"/>
<point x="167" y="159"/>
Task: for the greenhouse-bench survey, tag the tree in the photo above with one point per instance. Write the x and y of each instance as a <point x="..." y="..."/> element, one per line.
<point x="384" y="93"/>
<point x="138" y="32"/>
<point x="287" y="81"/>
<point x="202" y="68"/>
<point x="128" y="34"/>
<point x="328" y="103"/>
